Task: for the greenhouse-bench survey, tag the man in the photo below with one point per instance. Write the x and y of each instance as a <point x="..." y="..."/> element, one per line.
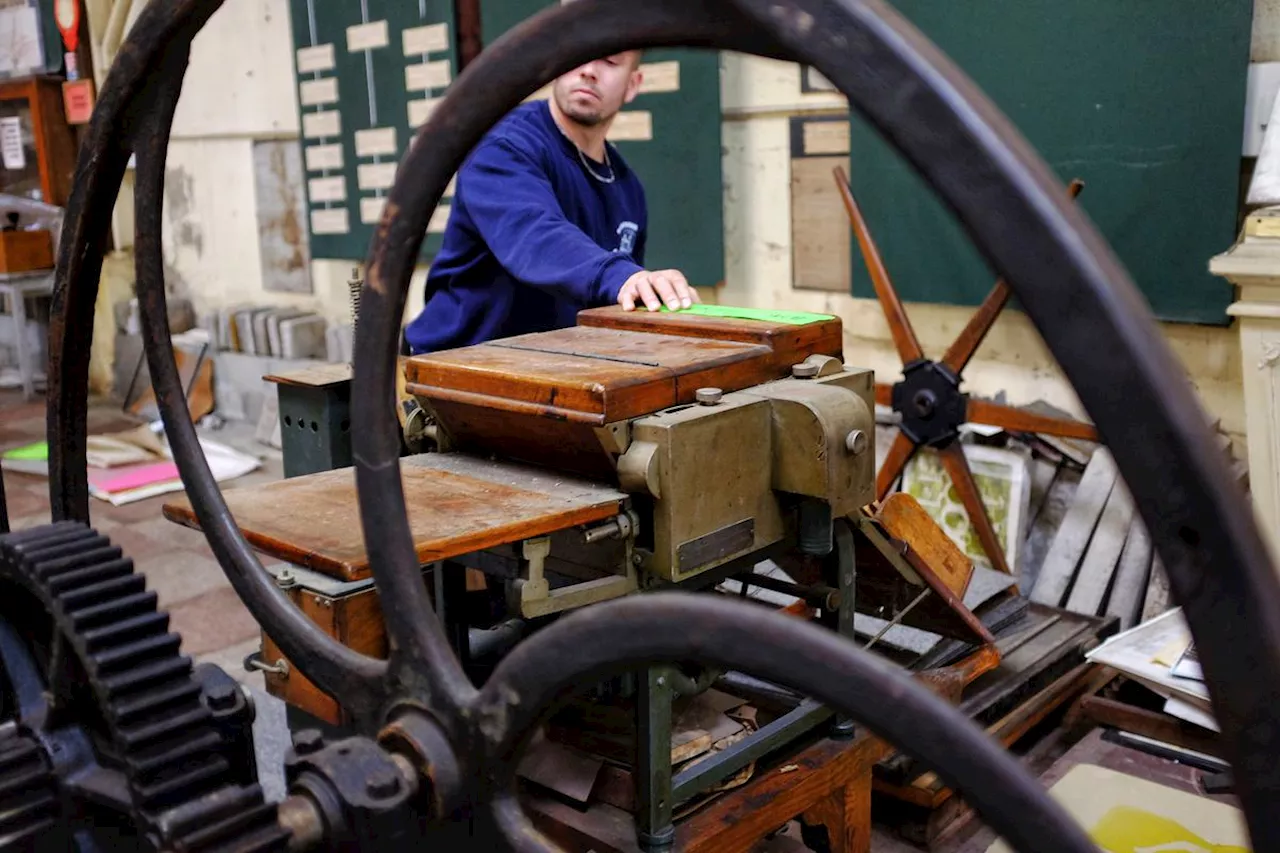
<point x="547" y="219"/>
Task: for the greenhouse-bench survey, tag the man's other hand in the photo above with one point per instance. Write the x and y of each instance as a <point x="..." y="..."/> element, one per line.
<point x="654" y="288"/>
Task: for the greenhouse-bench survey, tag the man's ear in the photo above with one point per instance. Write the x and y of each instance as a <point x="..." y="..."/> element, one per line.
<point x="633" y="86"/>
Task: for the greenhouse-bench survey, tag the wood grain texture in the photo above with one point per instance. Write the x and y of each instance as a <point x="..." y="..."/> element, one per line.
<point x="903" y="518"/>
<point x="587" y="374"/>
<point x="1130" y="584"/>
<point x="882" y="588"/>
<point x="1077" y="528"/>
<point x="354" y="620"/>
<point x="805" y="783"/>
<point x="314" y="521"/>
<point x="1093" y="578"/>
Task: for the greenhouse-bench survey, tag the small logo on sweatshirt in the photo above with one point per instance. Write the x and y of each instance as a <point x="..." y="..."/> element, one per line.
<point x="627" y="232"/>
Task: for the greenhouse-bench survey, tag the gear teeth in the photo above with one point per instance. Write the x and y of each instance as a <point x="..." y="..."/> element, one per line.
<point x="116" y="609"/>
<point x="171" y="789"/>
<point x="46" y="531"/>
<point x="28" y="796"/>
<point x="45" y="552"/>
<point x="52" y="568"/>
<point x="146" y="676"/>
<point x="82" y="577"/>
<point x="144" y="735"/>
<point x="138" y="652"/>
<point x="155" y="700"/>
<point x="98" y="592"/>
<point x="174" y="754"/>
<point x="170" y="750"/>
<point x="232" y="819"/>
<point x="133" y="628"/>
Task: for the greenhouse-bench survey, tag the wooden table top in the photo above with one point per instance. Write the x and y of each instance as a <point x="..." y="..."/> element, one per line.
<point x="457" y="504"/>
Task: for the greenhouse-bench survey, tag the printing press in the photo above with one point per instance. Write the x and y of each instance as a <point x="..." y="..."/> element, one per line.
<point x="715" y="451"/>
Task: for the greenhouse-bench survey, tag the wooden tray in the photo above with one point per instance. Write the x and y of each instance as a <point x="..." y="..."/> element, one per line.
<point x="457" y="505"/>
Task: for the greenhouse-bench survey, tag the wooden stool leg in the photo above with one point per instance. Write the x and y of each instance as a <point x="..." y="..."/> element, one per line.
<point x="846" y="814"/>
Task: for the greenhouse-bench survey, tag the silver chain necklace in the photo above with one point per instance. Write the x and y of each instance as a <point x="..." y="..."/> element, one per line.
<point x="613" y="176"/>
<point x="586" y="165"/>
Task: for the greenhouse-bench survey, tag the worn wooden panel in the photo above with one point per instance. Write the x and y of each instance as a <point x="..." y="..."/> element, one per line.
<point x="820" y="235"/>
<point x="1072" y="538"/>
<point x="589" y="374"/>
<point x="1100" y="561"/>
<point x="903" y="518"/>
<point x="1130" y="585"/>
<point x="789" y="339"/>
<point x="282" y="216"/>
<point x="314" y="521"/>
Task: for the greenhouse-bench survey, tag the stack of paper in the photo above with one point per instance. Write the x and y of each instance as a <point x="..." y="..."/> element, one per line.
<point x="1161" y="655"/>
<point x="133" y="465"/>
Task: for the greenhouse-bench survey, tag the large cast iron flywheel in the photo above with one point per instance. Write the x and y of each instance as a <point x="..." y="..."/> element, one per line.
<point x="1017" y="214"/>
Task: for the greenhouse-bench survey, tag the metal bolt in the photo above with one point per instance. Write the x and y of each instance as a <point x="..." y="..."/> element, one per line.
<point x="222" y="696"/>
<point x="856" y="442"/>
<point x="382" y="783"/>
<point x="285" y="579"/>
<point x="804" y="370"/>
<point x="308" y="741"/>
<point x="708" y="396"/>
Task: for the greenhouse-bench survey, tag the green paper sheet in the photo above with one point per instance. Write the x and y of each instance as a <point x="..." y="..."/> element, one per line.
<point x="792" y="318"/>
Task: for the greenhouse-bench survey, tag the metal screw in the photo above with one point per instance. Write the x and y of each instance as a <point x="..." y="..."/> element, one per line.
<point x="383" y="783"/>
<point x="222" y="696"/>
<point x="308" y="741"/>
<point x="856" y="442"/>
<point x="285" y="579"/>
<point x="804" y="370"/>
<point x="708" y="396"/>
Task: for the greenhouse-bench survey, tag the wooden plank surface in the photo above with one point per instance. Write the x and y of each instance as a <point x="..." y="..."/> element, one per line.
<point x="589" y="374"/>
<point x="1077" y="528"/>
<point x="903" y="518"/>
<point x="1158" y="598"/>
<point x="1130" y="585"/>
<point x="1100" y="560"/>
<point x="454" y="509"/>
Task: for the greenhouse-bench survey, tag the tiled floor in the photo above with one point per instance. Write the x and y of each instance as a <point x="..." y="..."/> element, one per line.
<point x="176" y="560"/>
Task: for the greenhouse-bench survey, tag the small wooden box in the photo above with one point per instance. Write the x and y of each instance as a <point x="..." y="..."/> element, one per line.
<point x="24" y="251"/>
<point x="347" y="611"/>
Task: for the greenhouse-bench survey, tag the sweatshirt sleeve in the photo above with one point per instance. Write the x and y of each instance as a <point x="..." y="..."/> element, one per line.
<point x="513" y="206"/>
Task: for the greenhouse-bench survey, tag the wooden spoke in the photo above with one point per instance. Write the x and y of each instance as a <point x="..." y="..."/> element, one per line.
<point x="904" y="337"/>
<point x="899" y="455"/>
<point x="884" y="394"/>
<point x="1016" y="420"/>
<point x="957" y="466"/>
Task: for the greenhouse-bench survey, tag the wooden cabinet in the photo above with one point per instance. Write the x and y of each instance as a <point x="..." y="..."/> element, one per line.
<point x="47" y="162"/>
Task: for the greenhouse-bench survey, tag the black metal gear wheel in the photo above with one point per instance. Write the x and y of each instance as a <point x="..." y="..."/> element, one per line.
<point x="111" y="664"/>
<point x="28" y="790"/>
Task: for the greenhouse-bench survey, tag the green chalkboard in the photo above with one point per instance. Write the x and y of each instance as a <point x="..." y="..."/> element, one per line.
<point x="367" y="75"/>
<point x="1143" y="100"/>
<point x="680" y="165"/>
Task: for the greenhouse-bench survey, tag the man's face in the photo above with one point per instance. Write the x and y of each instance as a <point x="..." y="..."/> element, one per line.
<point x="593" y="93"/>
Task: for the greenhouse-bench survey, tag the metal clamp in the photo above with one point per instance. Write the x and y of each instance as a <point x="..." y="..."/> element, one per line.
<point x="254" y="662"/>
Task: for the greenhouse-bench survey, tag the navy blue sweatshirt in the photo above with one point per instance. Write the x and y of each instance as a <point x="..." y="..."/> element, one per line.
<point x="532" y="237"/>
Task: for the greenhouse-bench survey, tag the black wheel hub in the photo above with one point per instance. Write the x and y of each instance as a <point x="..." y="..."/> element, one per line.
<point x="931" y="404"/>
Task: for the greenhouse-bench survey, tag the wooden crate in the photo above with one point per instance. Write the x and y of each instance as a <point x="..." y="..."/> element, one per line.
<point x="24" y="251"/>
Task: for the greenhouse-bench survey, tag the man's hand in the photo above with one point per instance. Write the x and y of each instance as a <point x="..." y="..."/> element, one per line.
<point x="653" y="288"/>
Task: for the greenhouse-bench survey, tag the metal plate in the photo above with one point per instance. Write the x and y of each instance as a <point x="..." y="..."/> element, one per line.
<point x="716" y="545"/>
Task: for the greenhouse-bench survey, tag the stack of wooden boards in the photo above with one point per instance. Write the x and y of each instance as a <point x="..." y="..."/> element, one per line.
<point x="1088" y="550"/>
